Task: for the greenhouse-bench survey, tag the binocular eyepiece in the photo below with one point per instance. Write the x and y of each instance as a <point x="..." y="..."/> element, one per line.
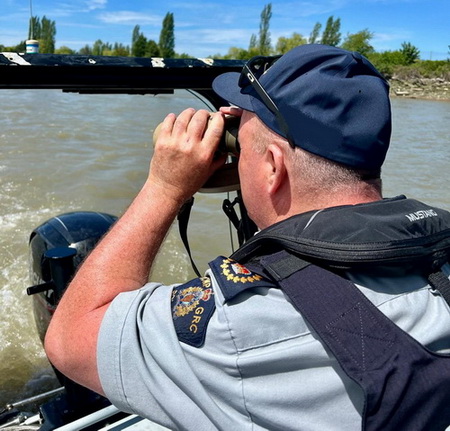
<point x="228" y="143"/>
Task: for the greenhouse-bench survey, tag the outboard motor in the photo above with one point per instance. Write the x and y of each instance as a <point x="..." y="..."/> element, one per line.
<point x="56" y="248"/>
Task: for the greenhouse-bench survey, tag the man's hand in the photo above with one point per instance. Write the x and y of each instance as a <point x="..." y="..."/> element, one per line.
<point x="184" y="152"/>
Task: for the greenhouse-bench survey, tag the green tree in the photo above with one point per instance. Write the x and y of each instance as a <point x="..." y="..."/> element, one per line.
<point x="152" y="49"/>
<point x="359" y="42"/>
<point x="253" y="42"/>
<point x="85" y="50"/>
<point x="138" y="43"/>
<point x="101" y="48"/>
<point x="135" y="35"/>
<point x="236" y="53"/>
<point x="314" y="36"/>
<point x="285" y="44"/>
<point x="65" y="50"/>
<point x="264" y="42"/>
<point x="34" y="28"/>
<point x="47" y="37"/>
<point x="167" y="37"/>
<point x="121" y="50"/>
<point x="386" y="62"/>
<point x="410" y="52"/>
<point x="139" y="47"/>
<point x="21" y="46"/>
<point x="331" y="35"/>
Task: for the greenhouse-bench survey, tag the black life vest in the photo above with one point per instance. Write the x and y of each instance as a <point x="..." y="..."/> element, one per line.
<point x="406" y="386"/>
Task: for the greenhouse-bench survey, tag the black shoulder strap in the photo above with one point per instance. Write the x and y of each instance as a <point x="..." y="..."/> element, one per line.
<point x="439" y="281"/>
<point x="402" y="381"/>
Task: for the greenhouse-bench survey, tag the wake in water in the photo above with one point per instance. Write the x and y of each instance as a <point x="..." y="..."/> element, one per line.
<point x="24" y="369"/>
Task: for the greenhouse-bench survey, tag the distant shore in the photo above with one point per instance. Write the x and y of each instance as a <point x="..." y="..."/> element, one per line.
<point x="420" y="88"/>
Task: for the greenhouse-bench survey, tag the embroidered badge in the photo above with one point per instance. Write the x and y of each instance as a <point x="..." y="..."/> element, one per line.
<point x="192" y="307"/>
<point x="238" y="273"/>
<point x="235" y="278"/>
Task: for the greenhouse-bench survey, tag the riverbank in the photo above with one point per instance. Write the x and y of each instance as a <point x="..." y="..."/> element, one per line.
<point x="420" y="88"/>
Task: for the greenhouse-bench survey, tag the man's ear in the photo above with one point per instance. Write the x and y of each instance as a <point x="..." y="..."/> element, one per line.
<point x="277" y="174"/>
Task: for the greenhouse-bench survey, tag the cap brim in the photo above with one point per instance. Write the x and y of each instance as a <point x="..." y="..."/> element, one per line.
<point x="227" y="87"/>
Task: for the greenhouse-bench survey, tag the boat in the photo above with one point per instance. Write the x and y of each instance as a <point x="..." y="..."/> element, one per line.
<point x="58" y="245"/>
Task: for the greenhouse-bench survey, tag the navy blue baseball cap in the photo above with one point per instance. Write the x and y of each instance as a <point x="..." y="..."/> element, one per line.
<point x="334" y="103"/>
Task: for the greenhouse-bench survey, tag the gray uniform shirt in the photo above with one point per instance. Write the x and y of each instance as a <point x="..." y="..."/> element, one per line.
<point x="260" y="366"/>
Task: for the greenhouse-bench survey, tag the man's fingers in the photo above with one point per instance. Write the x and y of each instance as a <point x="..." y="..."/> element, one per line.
<point x="231" y="110"/>
<point x="215" y="129"/>
<point x="164" y="129"/>
<point x="182" y="122"/>
<point x="198" y="124"/>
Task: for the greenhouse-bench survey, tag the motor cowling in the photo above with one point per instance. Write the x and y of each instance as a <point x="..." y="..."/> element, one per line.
<point x="56" y="249"/>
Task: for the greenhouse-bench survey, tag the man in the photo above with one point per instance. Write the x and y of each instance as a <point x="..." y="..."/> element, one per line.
<point x="230" y="350"/>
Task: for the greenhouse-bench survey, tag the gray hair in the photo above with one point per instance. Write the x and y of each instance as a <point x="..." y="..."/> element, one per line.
<point x="325" y="175"/>
<point x="317" y="173"/>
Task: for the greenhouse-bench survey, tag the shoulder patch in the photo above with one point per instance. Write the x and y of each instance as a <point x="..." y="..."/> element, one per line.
<point x="234" y="278"/>
<point x="192" y="307"/>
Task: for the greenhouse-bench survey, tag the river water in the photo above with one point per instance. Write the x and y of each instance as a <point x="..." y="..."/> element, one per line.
<point x="63" y="152"/>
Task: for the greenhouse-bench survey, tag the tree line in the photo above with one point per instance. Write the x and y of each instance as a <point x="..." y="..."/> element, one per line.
<point x="388" y="62"/>
<point x="44" y="30"/>
<point x="405" y="60"/>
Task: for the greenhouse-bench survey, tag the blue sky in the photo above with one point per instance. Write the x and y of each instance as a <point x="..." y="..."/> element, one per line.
<point x="212" y="26"/>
